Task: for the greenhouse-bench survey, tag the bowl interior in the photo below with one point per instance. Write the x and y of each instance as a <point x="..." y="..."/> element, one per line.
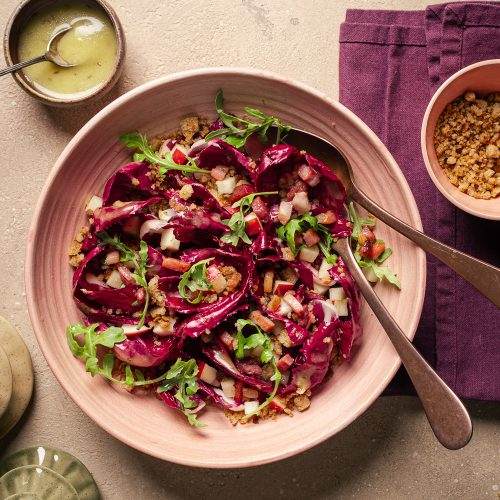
<point x="13" y="29"/>
<point x="83" y="168"/>
<point x="482" y="77"/>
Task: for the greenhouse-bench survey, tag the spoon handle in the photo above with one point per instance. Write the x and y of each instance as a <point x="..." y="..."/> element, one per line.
<point x="484" y="277"/>
<point x="446" y="414"/>
<point x="23" y="64"/>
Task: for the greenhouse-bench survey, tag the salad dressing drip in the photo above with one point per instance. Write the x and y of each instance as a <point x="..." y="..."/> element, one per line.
<point x="91" y="46"/>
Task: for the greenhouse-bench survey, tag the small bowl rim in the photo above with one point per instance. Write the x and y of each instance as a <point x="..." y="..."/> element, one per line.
<point x="423" y="141"/>
<point x="100" y="117"/>
<point x="101" y="90"/>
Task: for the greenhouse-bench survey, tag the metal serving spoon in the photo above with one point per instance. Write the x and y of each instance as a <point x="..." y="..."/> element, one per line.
<point x="446" y="414"/>
<point x="483" y="276"/>
<point x="51" y="54"/>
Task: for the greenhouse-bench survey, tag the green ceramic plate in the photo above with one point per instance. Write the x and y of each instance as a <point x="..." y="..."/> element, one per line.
<point x="38" y="480"/>
<point x="59" y="461"/>
<point x="5" y="382"/>
<point x="22" y="375"/>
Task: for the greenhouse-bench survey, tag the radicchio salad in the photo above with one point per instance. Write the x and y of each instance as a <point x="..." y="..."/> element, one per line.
<point x="206" y="274"/>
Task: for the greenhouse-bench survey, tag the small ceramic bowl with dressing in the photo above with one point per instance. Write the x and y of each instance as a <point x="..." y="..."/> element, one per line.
<point x="95" y="45"/>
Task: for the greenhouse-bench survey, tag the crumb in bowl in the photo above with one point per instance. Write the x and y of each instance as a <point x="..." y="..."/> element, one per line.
<point x="467" y="144"/>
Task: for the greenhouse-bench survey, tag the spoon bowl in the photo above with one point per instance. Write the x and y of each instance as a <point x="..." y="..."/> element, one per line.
<point x="52" y="53"/>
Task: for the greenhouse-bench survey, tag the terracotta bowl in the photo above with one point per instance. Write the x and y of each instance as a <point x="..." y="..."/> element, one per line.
<point x="482" y="77"/>
<point x="10" y="45"/>
<point x="82" y="169"/>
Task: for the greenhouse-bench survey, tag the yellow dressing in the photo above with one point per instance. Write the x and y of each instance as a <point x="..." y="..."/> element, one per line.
<point x="91" y="45"/>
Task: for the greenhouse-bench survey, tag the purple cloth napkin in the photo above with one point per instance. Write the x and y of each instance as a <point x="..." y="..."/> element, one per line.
<point x="391" y="62"/>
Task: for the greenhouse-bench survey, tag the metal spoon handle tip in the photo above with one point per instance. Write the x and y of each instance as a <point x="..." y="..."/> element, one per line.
<point x="446" y="414"/>
<point x="483" y="276"/>
<point x="23" y="64"/>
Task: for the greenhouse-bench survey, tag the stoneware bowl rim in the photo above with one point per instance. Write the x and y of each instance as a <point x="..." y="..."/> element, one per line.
<point x="100" y="91"/>
<point x="386" y="374"/>
<point x="469" y="208"/>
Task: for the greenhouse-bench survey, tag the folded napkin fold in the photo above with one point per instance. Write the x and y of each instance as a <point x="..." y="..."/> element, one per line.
<point x="391" y="62"/>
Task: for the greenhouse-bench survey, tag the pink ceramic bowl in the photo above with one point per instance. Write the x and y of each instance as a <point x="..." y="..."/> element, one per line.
<point x="91" y="157"/>
<point x="482" y="77"/>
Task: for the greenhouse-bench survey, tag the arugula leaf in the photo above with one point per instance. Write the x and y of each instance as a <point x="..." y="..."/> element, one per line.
<point x="237" y="223"/>
<point x="182" y="374"/>
<point x="358" y="222"/>
<point x="138" y="141"/>
<point x="257" y="339"/>
<point x="139" y="259"/>
<point x="195" y="280"/>
<point x="381" y="272"/>
<point x="301" y="224"/>
<point x="238" y="130"/>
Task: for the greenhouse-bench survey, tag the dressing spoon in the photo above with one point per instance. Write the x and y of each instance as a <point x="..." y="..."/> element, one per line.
<point x="446" y="414"/>
<point x="51" y="54"/>
<point x="484" y="277"/>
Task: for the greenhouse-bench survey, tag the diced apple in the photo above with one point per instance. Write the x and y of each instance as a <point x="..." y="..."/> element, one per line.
<point x="323" y="271"/>
<point x="287" y="254"/>
<point x="274" y="303"/>
<point x="309" y="254"/>
<point x="93" y="204"/>
<point x="299" y="186"/>
<point x="151" y="226"/>
<point x="252" y="224"/>
<point x="281" y="287"/>
<point x="277" y="405"/>
<point x="216" y="279"/>
<point x="114" y="280"/>
<point x="240" y="191"/>
<point x="337" y="293"/>
<point x="284" y="363"/>
<point x="292" y="301"/>
<point x="227" y="385"/>
<point x="250" y="407"/>
<point x="208" y="373"/>
<point x="308" y="175"/>
<point x="285" y="309"/>
<point x="329" y="311"/>
<point x="259" y="206"/>
<point x="179" y="154"/>
<point x="285" y="211"/>
<point x="168" y="240"/>
<point x="301" y="203"/>
<point x="228" y="340"/>
<point x="268" y="281"/>
<point x="219" y="172"/>
<point x="226" y="186"/>
<point x="321" y="289"/>
<point x="112" y="258"/>
<point x="238" y="392"/>
<point x="311" y="237"/>
<point x="341" y="307"/>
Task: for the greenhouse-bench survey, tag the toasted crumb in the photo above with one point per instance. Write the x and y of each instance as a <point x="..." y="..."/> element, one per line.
<point x="233" y="277"/>
<point x="189" y="127"/>
<point x="301" y="402"/>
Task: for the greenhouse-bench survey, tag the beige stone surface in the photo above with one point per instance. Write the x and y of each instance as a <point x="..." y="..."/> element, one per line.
<point x="390" y="451"/>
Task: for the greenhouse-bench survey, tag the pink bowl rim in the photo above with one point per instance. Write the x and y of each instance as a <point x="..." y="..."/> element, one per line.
<point x="423" y="141"/>
<point x="122" y="100"/>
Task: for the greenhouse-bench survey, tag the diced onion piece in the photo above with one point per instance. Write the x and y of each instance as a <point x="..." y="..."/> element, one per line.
<point x="167" y="214"/>
<point x="226" y="186"/>
<point x="323" y="271"/>
<point x="309" y="254"/>
<point x="227" y="385"/>
<point x="216" y="279"/>
<point x="301" y="203"/>
<point x="207" y="373"/>
<point x="250" y="407"/>
<point x="285" y="309"/>
<point x="370" y="274"/>
<point x="341" y="307"/>
<point x="93" y="204"/>
<point x="168" y="240"/>
<point x="292" y="301"/>
<point x="114" y="280"/>
<point x="337" y="293"/>
<point x="285" y="212"/>
<point x="112" y="257"/>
